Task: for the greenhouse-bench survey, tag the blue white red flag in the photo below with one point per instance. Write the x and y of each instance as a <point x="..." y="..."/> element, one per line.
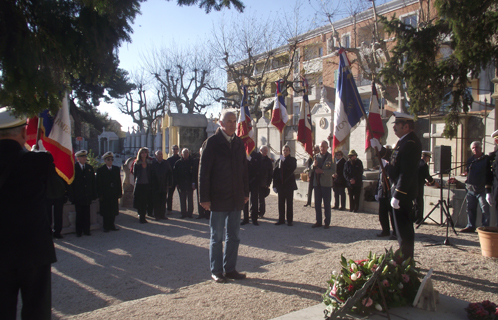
<point x="348" y="106"/>
<point x="56" y="138"/>
<point x="279" y="115"/>
<point x="304" y="126"/>
<point x="375" y="129"/>
<point x="244" y="125"/>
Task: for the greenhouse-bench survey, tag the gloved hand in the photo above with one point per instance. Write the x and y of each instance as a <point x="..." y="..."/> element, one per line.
<point x="275" y="190"/>
<point x="385" y="162"/>
<point x="395" y="203"/>
<point x="377" y="198"/>
<point x="489" y="199"/>
<point x="41" y="148"/>
<point x="282" y="158"/>
<point x="375" y="144"/>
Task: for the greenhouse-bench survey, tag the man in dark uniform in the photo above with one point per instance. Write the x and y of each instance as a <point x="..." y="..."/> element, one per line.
<point x="82" y="192"/>
<point x="162" y="180"/>
<point x="185" y="176"/>
<point x="383" y="196"/>
<point x="339" y="186"/>
<point x="171" y="191"/>
<point x="25" y="236"/>
<point x="109" y="190"/>
<point x="403" y="174"/>
<point x="254" y="170"/>
<point x="55" y="208"/>
<point x="424" y="178"/>
<point x="284" y="183"/>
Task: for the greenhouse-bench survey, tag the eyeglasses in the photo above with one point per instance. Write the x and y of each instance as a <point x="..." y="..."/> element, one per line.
<point x="109" y="159"/>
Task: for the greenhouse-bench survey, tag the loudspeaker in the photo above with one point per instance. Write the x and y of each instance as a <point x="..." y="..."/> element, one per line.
<point x="442" y="159"/>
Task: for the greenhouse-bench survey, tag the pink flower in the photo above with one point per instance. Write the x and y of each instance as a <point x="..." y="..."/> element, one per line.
<point x="359" y="274"/>
<point x="385" y="283"/>
<point x="367" y="302"/>
<point x="405" y="277"/>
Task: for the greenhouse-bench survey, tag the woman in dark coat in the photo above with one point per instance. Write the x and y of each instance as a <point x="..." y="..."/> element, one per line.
<point x="284" y="183"/>
<point x="109" y="190"/>
<point x="142" y="175"/>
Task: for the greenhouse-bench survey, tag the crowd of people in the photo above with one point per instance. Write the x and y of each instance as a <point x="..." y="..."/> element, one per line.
<point x="228" y="182"/>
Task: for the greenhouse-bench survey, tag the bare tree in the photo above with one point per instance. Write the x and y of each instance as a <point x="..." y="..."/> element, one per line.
<point x="184" y="73"/>
<point x="139" y="105"/>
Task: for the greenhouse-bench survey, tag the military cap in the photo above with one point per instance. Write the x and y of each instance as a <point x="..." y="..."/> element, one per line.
<point x="107" y="155"/>
<point x="81" y="153"/>
<point x="426" y="153"/>
<point x="403" y="116"/>
<point x="352" y="153"/>
<point x="495" y="134"/>
<point x="8" y="121"/>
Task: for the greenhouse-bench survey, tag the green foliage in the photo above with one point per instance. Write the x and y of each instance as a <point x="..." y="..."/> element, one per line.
<point x="92" y="160"/>
<point x="217" y="5"/>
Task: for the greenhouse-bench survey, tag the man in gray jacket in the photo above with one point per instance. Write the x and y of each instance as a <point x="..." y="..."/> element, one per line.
<point x="323" y="169"/>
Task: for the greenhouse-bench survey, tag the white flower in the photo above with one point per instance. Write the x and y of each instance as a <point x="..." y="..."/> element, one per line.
<point x="400" y="285"/>
<point x="354" y="267"/>
<point x="378" y="307"/>
<point x="334" y="273"/>
<point x="354" y="277"/>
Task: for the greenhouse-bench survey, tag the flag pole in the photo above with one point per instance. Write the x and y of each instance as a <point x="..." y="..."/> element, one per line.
<point x="38" y="132"/>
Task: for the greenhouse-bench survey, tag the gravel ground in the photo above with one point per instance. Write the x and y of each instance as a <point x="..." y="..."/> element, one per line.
<point x="160" y="270"/>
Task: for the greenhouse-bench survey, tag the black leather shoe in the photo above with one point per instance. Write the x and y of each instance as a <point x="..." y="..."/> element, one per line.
<point x="393" y="237"/>
<point x="290" y="224"/>
<point x="200" y="217"/>
<point x="244" y="222"/>
<point x="279" y="223"/>
<point x="316" y="225"/>
<point x="342" y="209"/>
<point x="383" y="234"/>
<point x="219" y="278"/>
<point x="307" y="205"/>
<point x="114" y="229"/>
<point x="87" y="233"/>
<point x="58" y="236"/>
<point x="335" y="207"/>
<point x="235" y="275"/>
<point x="78" y="235"/>
<point x="468" y="230"/>
<point x="254" y="222"/>
<point x="326" y="227"/>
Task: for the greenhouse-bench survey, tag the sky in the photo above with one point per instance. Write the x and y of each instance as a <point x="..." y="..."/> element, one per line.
<point x="162" y="22"/>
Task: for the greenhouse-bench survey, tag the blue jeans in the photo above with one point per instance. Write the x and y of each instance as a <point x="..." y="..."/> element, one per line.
<point x="219" y="221"/>
<point x="472" y="199"/>
<point x="325" y="194"/>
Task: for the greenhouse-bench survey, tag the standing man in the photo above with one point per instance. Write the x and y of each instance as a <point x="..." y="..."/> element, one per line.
<point x="162" y="179"/>
<point x="223" y="189"/>
<point x="184" y="172"/>
<point x="353" y="173"/>
<point x="339" y="185"/>
<point x="254" y="172"/>
<point x="203" y="213"/>
<point x="56" y="206"/>
<point x="82" y="192"/>
<point x="403" y="174"/>
<point x="424" y="178"/>
<point x="25" y="235"/>
<point x="171" y="191"/>
<point x="284" y="183"/>
<point x="492" y="192"/>
<point x="479" y="178"/>
<point x="383" y="196"/>
<point x="323" y="169"/>
<point x="266" y="175"/>
<point x="309" y="164"/>
<point x="109" y="190"/>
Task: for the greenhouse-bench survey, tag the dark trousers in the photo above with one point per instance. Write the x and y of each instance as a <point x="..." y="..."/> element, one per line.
<point x="141" y="200"/>
<point x="354" y="196"/>
<point x="325" y="194"/>
<point x="186" y="194"/>
<point x="419" y="207"/>
<point x="160" y="205"/>
<point x="57" y="205"/>
<point x="82" y="219"/>
<point x="254" y="197"/>
<point x="340" y="192"/>
<point x="261" y="198"/>
<point x="386" y="213"/>
<point x="171" y="192"/>
<point x="36" y="293"/>
<point x="405" y="229"/>
<point x="109" y="208"/>
<point x="285" y="197"/>
<point x="310" y="188"/>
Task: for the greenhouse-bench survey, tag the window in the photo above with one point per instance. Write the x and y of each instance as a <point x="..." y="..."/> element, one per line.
<point x="346" y="41"/>
<point x="410" y="20"/>
<point x="320" y="51"/>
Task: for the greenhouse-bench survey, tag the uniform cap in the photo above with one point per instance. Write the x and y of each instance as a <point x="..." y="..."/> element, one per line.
<point x="9" y="121"/>
<point x="81" y="153"/>
<point x="403" y="116"/>
<point x="495" y="134"/>
<point x="426" y="153"/>
<point x="107" y="155"/>
<point x="352" y="153"/>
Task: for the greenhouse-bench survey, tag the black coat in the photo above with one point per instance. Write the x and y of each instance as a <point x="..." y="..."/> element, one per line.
<point x="283" y="175"/>
<point x="25" y="232"/>
<point x="340" y="181"/>
<point x="403" y="169"/>
<point x="185" y="173"/>
<point x="266" y="172"/>
<point x="254" y="169"/>
<point x="223" y="178"/>
<point x="161" y="176"/>
<point x="353" y="171"/>
<point x="83" y="189"/>
<point x="172" y="161"/>
<point x="109" y="189"/>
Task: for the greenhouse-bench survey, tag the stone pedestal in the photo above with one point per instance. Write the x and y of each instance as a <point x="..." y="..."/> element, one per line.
<point x="69" y="218"/>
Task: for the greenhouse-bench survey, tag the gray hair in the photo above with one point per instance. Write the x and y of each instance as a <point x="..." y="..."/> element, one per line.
<point x="157" y="152"/>
<point x="12" y="132"/>
<point x="263" y="147"/>
<point x="224" y="114"/>
<point x="185" y="150"/>
<point x="476" y="143"/>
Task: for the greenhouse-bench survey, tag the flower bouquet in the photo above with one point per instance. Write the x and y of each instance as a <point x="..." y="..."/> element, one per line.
<point x="485" y="310"/>
<point x="398" y="281"/>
